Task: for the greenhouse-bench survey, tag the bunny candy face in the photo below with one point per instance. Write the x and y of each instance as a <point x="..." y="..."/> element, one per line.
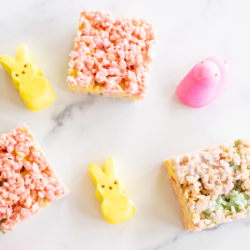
<point x="21" y="68"/>
<point x="109" y="186"/>
<point x="22" y="72"/>
<point x="207" y="69"/>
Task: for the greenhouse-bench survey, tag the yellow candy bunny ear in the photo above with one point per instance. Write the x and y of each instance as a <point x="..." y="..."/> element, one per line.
<point x="111" y="171"/>
<point x="110" y="168"/>
<point x="23" y="55"/>
<point x="8" y="63"/>
<point x="96" y="173"/>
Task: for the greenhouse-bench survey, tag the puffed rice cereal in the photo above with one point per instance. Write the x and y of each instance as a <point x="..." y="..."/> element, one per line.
<point x="27" y="181"/>
<point x="112" y="56"/>
<point x="212" y="185"/>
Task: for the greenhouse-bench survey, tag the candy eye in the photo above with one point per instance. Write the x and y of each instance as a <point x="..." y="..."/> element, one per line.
<point x="110" y="188"/>
<point x="103" y="186"/>
<point x="25" y="65"/>
<point x="17" y="75"/>
<point x="23" y="72"/>
<point x="115" y="182"/>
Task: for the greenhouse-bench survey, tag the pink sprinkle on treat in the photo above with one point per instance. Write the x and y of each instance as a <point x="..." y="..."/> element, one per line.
<point x="27" y="181"/>
<point x="204" y="82"/>
<point x="112" y="56"/>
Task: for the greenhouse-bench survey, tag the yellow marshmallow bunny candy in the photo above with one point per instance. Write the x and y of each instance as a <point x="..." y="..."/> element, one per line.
<point x="34" y="89"/>
<point x="116" y="207"/>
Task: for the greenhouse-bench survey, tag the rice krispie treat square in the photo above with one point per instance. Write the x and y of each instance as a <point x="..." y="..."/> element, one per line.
<point x="112" y="56"/>
<point x="27" y="181"/>
<point x="212" y="185"/>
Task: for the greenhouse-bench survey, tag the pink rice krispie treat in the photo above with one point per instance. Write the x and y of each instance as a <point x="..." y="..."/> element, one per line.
<point x="27" y="181"/>
<point x="112" y="56"/>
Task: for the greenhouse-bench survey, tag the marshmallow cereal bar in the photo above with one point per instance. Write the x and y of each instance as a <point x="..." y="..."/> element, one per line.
<point x="27" y="181"/>
<point x="212" y="185"/>
<point x="112" y="56"/>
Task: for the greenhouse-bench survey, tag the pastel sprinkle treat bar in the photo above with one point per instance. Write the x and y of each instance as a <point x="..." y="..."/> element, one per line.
<point x="212" y="185"/>
<point x="27" y="77"/>
<point x="116" y="206"/>
<point x="28" y="183"/>
<point x="112" y="56"/>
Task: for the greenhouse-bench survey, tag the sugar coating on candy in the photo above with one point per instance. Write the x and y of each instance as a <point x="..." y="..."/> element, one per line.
<point x="27" y="181"/>
<point x="112" y="54"/>
<point x="213" y="185"/>
<point x="27" y="77"/>
<point x="204" y="82"/>
<point x="116" y="206"/>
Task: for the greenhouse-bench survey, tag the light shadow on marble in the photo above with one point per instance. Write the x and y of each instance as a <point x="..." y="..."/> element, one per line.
<point x="160" y="204"/>
<point x="85" y="200"/>
<point x="63" y="61"/>
<point x="169" y="209"/>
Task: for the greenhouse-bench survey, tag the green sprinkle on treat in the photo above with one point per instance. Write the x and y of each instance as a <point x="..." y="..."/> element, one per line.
<point x="237" y="186"/>
<point x="232" y="204"/>
<point x="236" y="143"/>
<point x="234" y="166"/>
<point x="214" y="184"/>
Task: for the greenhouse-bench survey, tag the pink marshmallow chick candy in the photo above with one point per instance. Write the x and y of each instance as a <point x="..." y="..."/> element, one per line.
<point x="204" y="82"/>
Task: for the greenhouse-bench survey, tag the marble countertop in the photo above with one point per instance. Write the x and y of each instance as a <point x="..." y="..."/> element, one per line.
<point x="77" y="130"/>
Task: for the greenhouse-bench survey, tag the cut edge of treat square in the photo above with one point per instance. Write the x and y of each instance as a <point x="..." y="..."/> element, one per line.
<point x="99" y="93"/>
<point x="185" y="215"/>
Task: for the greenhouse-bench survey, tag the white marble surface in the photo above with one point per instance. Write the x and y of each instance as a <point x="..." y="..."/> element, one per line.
<point x="77" y="130"/>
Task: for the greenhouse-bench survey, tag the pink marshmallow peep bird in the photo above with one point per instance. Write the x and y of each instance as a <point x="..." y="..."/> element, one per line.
<point x="204" y="82"/>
